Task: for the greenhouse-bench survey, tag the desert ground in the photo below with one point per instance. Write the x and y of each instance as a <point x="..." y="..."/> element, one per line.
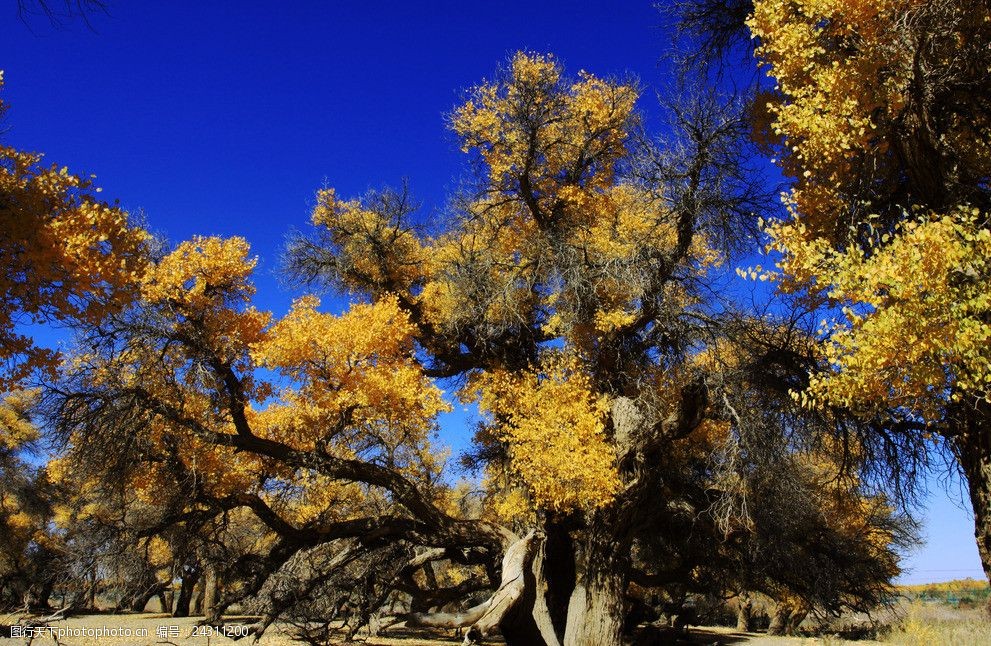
<point x="911" y="624"/>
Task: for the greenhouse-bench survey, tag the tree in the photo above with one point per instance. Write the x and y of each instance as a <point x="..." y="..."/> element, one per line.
<point x="568" y="296"/>
<point x="26" y="541"/>
<point x="882" y="118"/>
<point x="784" y="512"/>
<point x="67" y="257"/>
<point x="818" y="542"/>
<point x="564" y="293"/>
<point x="176" y="372"/>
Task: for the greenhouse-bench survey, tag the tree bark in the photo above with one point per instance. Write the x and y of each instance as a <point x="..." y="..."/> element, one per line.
<point x="529" y="621"/>
<point x="566" y="602"/>
<point x="211" y="585"/>
<point x="598" y="603"/>
<point x="595" y="614"/>
<point x="541" y="602"/>
<point x="185" y="598"/>
<point x="744" y="612"/>
<point x="514" y="608"/>
<point x="38" y="597"/>
<point x="91" y="590"/>
<point x="795" y="620"/>
<point x="975" y="460"/>
<point x="779" y="618"/>
<point x="196" y="607"/>
<point x="559" y="575"/>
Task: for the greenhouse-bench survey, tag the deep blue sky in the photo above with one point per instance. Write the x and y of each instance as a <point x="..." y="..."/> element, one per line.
<point x="225" y="117"/>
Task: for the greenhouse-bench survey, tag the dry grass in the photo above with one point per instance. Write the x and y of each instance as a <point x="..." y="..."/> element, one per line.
<point x="929" y="623"/>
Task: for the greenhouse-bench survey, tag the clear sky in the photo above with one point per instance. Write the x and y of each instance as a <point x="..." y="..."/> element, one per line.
<point x="225" y="117"/>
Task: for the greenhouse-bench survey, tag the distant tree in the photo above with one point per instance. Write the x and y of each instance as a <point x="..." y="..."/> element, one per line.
<point x="784" y="512"/>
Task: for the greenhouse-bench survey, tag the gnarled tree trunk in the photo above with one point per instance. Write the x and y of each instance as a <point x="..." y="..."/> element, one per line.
<point x="574" y="595"/>
<point x="185" y="598"/>
<point x="795" y="620"/>
<point x="196" y="607"/>
<point x="974" y="447"/>
<point x="38" y="597"/>
<point x="91" y="590"/>
<point x="164" y="601"/>
<point x="779" y="618"/>
<point x="529" y="621"/>
<point x="211" y="585"/>
<point x="597" y="608"/>
<point x="514" y="608"/>
<point x="541" y="601"/>
<point x="140" y="601"/>
<point x="744" y="612"/>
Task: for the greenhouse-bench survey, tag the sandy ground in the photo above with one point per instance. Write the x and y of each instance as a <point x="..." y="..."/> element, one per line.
<point x="160" y="629"/>
<point x="913" y="624"/>
<point x="152" y="629"/>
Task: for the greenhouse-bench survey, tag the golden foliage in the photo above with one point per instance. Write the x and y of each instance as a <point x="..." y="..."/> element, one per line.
<point x="358" y="367"/>
<point x="22" y="518"/>
<point x="839" y="74"/>
<point x="554" y="423"/>
<point x="351" y="385"/>
<point x="16" y="427"/>
<point x="66" y="256"/>
<point x="912" y="281"/>
<point x="378" y="249"/>
<point x="555" y="244"/>
<point x="587" y="118"/>
<point x="918" y="320"/>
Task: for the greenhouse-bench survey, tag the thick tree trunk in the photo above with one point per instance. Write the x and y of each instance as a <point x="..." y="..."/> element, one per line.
<point x="196" y="607"/>
<point x="185" y="598"/>
<point x="744" y="612"/>
<point x="596" y="611"/>
<point x="975" y="459"/>
<point x="570" y="603"/>
<point x="211" y="586"/>
<point x="598" y="603"/>
<point x="91" y="590"/>
<point x="795" y="620"/>
<point x="779" y="618"/>
<point x="541" y="602"/>
<point x="529" y="621"/>
<point x="515" y="609"/>
<point x="559" y="575"/>
<point x="38" y="597"/>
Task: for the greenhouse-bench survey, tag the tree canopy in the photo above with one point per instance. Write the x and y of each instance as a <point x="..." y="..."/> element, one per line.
<point x="642" y="433"/>
<point x="881" y="116"/>
<point x="630" y="416"/>
<point x="67" y="256"/>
